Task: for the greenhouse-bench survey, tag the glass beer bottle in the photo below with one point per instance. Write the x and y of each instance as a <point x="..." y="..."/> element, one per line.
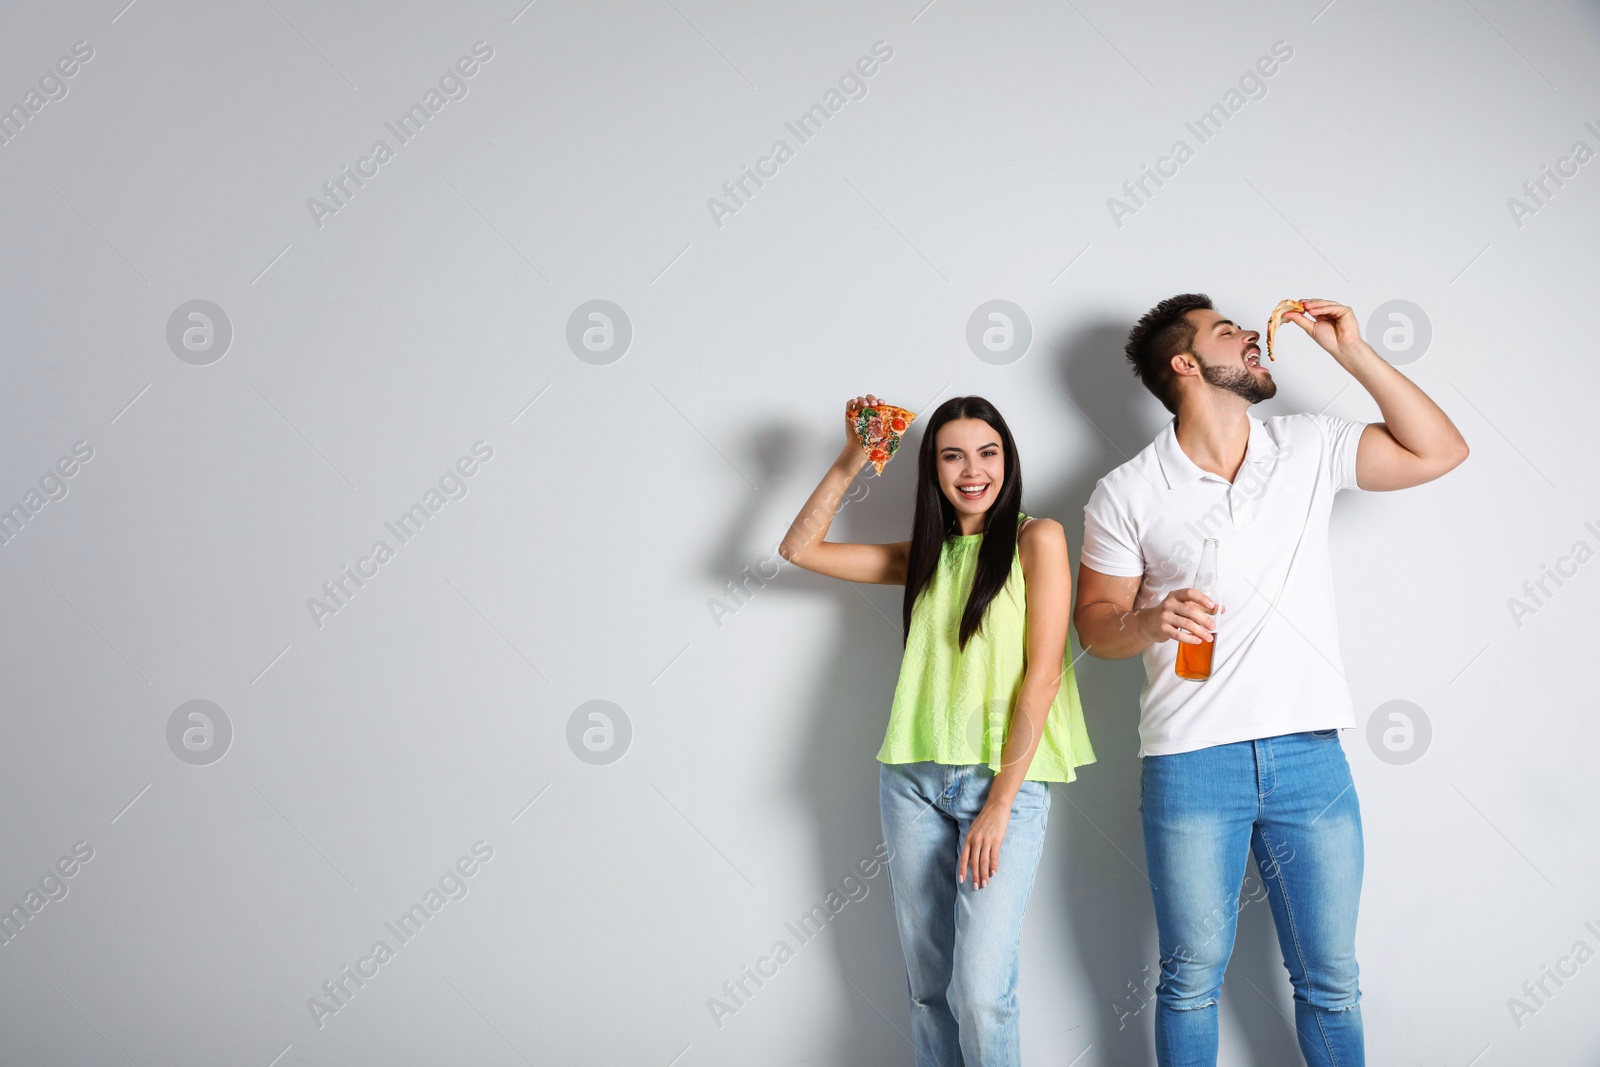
<point x="1194" y="661"/>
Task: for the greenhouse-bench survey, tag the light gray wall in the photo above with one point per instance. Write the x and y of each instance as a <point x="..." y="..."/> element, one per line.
<point x="371" y="750"/>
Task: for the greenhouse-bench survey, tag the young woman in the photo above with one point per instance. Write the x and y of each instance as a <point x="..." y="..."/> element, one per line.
<point x="985" y="716"/>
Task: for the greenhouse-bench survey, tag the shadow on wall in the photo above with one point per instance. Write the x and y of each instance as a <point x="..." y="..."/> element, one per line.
<point x="1109" y="907"/>
<point x="835" y="769"/>
<point x="1108" y="896"/>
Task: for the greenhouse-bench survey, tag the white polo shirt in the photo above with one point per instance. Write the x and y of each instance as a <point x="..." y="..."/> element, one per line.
<point x="1276" y="667"/>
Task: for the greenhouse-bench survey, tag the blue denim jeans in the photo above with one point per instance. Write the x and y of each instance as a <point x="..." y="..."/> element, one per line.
<point x="1290" y="801"/>
<point x="960" y="943"/>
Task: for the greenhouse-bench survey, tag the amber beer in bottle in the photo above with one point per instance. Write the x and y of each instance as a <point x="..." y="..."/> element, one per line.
<point x="1194" y="661"/>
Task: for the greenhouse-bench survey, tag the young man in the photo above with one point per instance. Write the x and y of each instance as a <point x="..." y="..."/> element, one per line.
<point x="1248" y="760"/>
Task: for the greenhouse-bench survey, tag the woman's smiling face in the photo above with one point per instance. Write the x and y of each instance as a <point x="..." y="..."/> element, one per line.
<point x="971" y="464"/>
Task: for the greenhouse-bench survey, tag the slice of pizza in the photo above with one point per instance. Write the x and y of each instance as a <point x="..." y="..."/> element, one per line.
<point x="1283" y="308"/>
<point x="878" y="427"/>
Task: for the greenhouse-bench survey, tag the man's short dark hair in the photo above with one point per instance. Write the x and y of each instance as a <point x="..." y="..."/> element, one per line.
<point x="1164" y="331"/>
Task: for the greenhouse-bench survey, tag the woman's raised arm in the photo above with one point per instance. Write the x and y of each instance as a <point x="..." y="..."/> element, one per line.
<point x="804" y="544"/>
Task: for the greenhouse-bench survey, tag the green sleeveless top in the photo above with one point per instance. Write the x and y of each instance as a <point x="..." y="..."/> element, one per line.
<point x="953" y="706"/>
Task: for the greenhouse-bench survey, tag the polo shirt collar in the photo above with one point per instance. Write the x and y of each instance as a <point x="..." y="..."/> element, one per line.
<point x="1180" y="470"/>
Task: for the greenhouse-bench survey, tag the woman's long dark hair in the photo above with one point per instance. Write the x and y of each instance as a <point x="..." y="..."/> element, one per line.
<point x="935" y="517"/>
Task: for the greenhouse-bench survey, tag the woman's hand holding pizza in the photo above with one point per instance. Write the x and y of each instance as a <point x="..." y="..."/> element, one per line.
<point x="852" y="442"/>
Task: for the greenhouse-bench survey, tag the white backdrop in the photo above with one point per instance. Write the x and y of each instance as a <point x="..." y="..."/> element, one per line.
<point x="188" y="498"/>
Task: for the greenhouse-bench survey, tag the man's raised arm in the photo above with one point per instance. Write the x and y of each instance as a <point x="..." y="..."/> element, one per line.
<point x="1416" y="442"/>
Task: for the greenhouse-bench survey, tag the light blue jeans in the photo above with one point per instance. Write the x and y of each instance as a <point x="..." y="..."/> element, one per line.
<point x="1290" y="801"/>
<point x="960" y="943"/>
